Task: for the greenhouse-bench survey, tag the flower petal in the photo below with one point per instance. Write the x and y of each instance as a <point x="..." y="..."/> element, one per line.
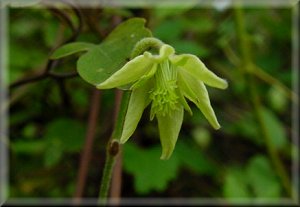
<point x="169" y="128"/>
<point x="129" y="73"/>
<point x="195" y="91"/>
<point x="164" y="52"/>
<point x="145" y="78"/>
<point x="138" y="101"/>
<point x="196" y="67"/>
<point x="184" y="102"/>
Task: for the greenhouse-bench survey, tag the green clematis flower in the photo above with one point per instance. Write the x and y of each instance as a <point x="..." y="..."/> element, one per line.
<point x="165" y="80"/>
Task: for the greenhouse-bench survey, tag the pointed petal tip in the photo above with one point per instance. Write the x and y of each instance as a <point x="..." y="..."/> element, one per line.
<point x="220" y="83"/>
<point x="103" y="86"/>
<point x="167" y="153"/>
<point x="123" y="140"/>
<point x="100" y="86"/>
<point x="217" y="127"/>
<point x="165" y="156"/>
<point x="224" y="84"/>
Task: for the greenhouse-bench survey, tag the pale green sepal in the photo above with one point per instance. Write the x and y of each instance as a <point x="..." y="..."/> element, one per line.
<point x="152" y="113"/>
<point x="196" y="67"/>
<point x="184" y="102"/>
<point x="164" y="52"/>
<point x="130" y="72"/>
<point x="145" y="78"/>
<point x="169" y="128"/>
<point x="195" y="91"/>
<point x="137" y="103"/>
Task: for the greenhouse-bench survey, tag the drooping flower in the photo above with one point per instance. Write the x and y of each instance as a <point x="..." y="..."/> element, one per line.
<point x="165" y="80"/>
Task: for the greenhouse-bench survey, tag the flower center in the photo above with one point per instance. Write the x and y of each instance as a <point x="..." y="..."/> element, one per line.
<point x="163" y="96"/>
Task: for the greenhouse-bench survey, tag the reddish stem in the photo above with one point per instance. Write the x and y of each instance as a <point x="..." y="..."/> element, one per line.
<point x="89" y="140"/>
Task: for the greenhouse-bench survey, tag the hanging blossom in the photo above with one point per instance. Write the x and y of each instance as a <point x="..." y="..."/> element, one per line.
<point x="165" y="80"/>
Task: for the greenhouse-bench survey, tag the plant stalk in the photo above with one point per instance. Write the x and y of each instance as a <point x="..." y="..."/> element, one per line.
<point x="113" y="149"/>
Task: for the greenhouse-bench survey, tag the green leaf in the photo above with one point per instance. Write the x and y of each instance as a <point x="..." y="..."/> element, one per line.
<point x="62" y="135"/>
<point x="21" y="64"/>
<point x="187" y="46"/>
<point x="50" y="31"/>
<point x="149" y="172"/>
<point x="53" y="153"/>
<point x="277" y="99"/>
<point x="275" y="128"/>
<point x="262" y="177"/>
<point x="66" y="133"/>
<point x="245" y="127"/>
<point x="169" y="30"/>
<point x="28" y="147"/>
<point x="192" y="157"/>
<point x="70" y="49"/>
<point x="235" y="185"/>
<point x="102" y="61"/>
<point x="29" y="130"/>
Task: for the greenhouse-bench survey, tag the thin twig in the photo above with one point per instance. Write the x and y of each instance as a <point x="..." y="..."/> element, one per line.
<point x="64" y="17"/>
<point x="247" y="64"/>
<point x="89" y="140"/>
<point x="261" y="74"/>
<point x="28" y="80"/>
<point x="65" y="100"/>
<point x="92" y="22"/>
<point x="63" y="75"/>
<point x="47" y="72"/>
<point x="80" y="22"/>
<point x="75" y="30"/>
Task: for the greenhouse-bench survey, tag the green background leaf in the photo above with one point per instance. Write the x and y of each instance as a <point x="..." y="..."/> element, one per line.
<point x="275" y="130"/>
<point x="67" y="133"/>
<point x="70" y="49"/>
<point x="192" y="157"/>
<point x="262" y="177"/>
<point x="149" y="171"/>
<point x="235" y="184"/>
<point x="101" y="62"/>
<point x="62" y="135"/>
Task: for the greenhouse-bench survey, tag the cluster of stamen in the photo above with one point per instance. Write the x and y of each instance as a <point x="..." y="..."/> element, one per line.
<point x="163" y="96"/>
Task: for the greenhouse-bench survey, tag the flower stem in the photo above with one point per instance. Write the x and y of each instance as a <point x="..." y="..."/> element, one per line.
<point x="113" y="149"/>
<point x="145" y="44"/>
<point x="247" y="64"/>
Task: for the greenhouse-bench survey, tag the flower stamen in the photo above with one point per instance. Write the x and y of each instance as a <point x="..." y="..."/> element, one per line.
<point x="164" y="97"/>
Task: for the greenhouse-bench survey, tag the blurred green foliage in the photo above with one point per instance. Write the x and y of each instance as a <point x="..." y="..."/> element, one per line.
<point x="47" y="132"/>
